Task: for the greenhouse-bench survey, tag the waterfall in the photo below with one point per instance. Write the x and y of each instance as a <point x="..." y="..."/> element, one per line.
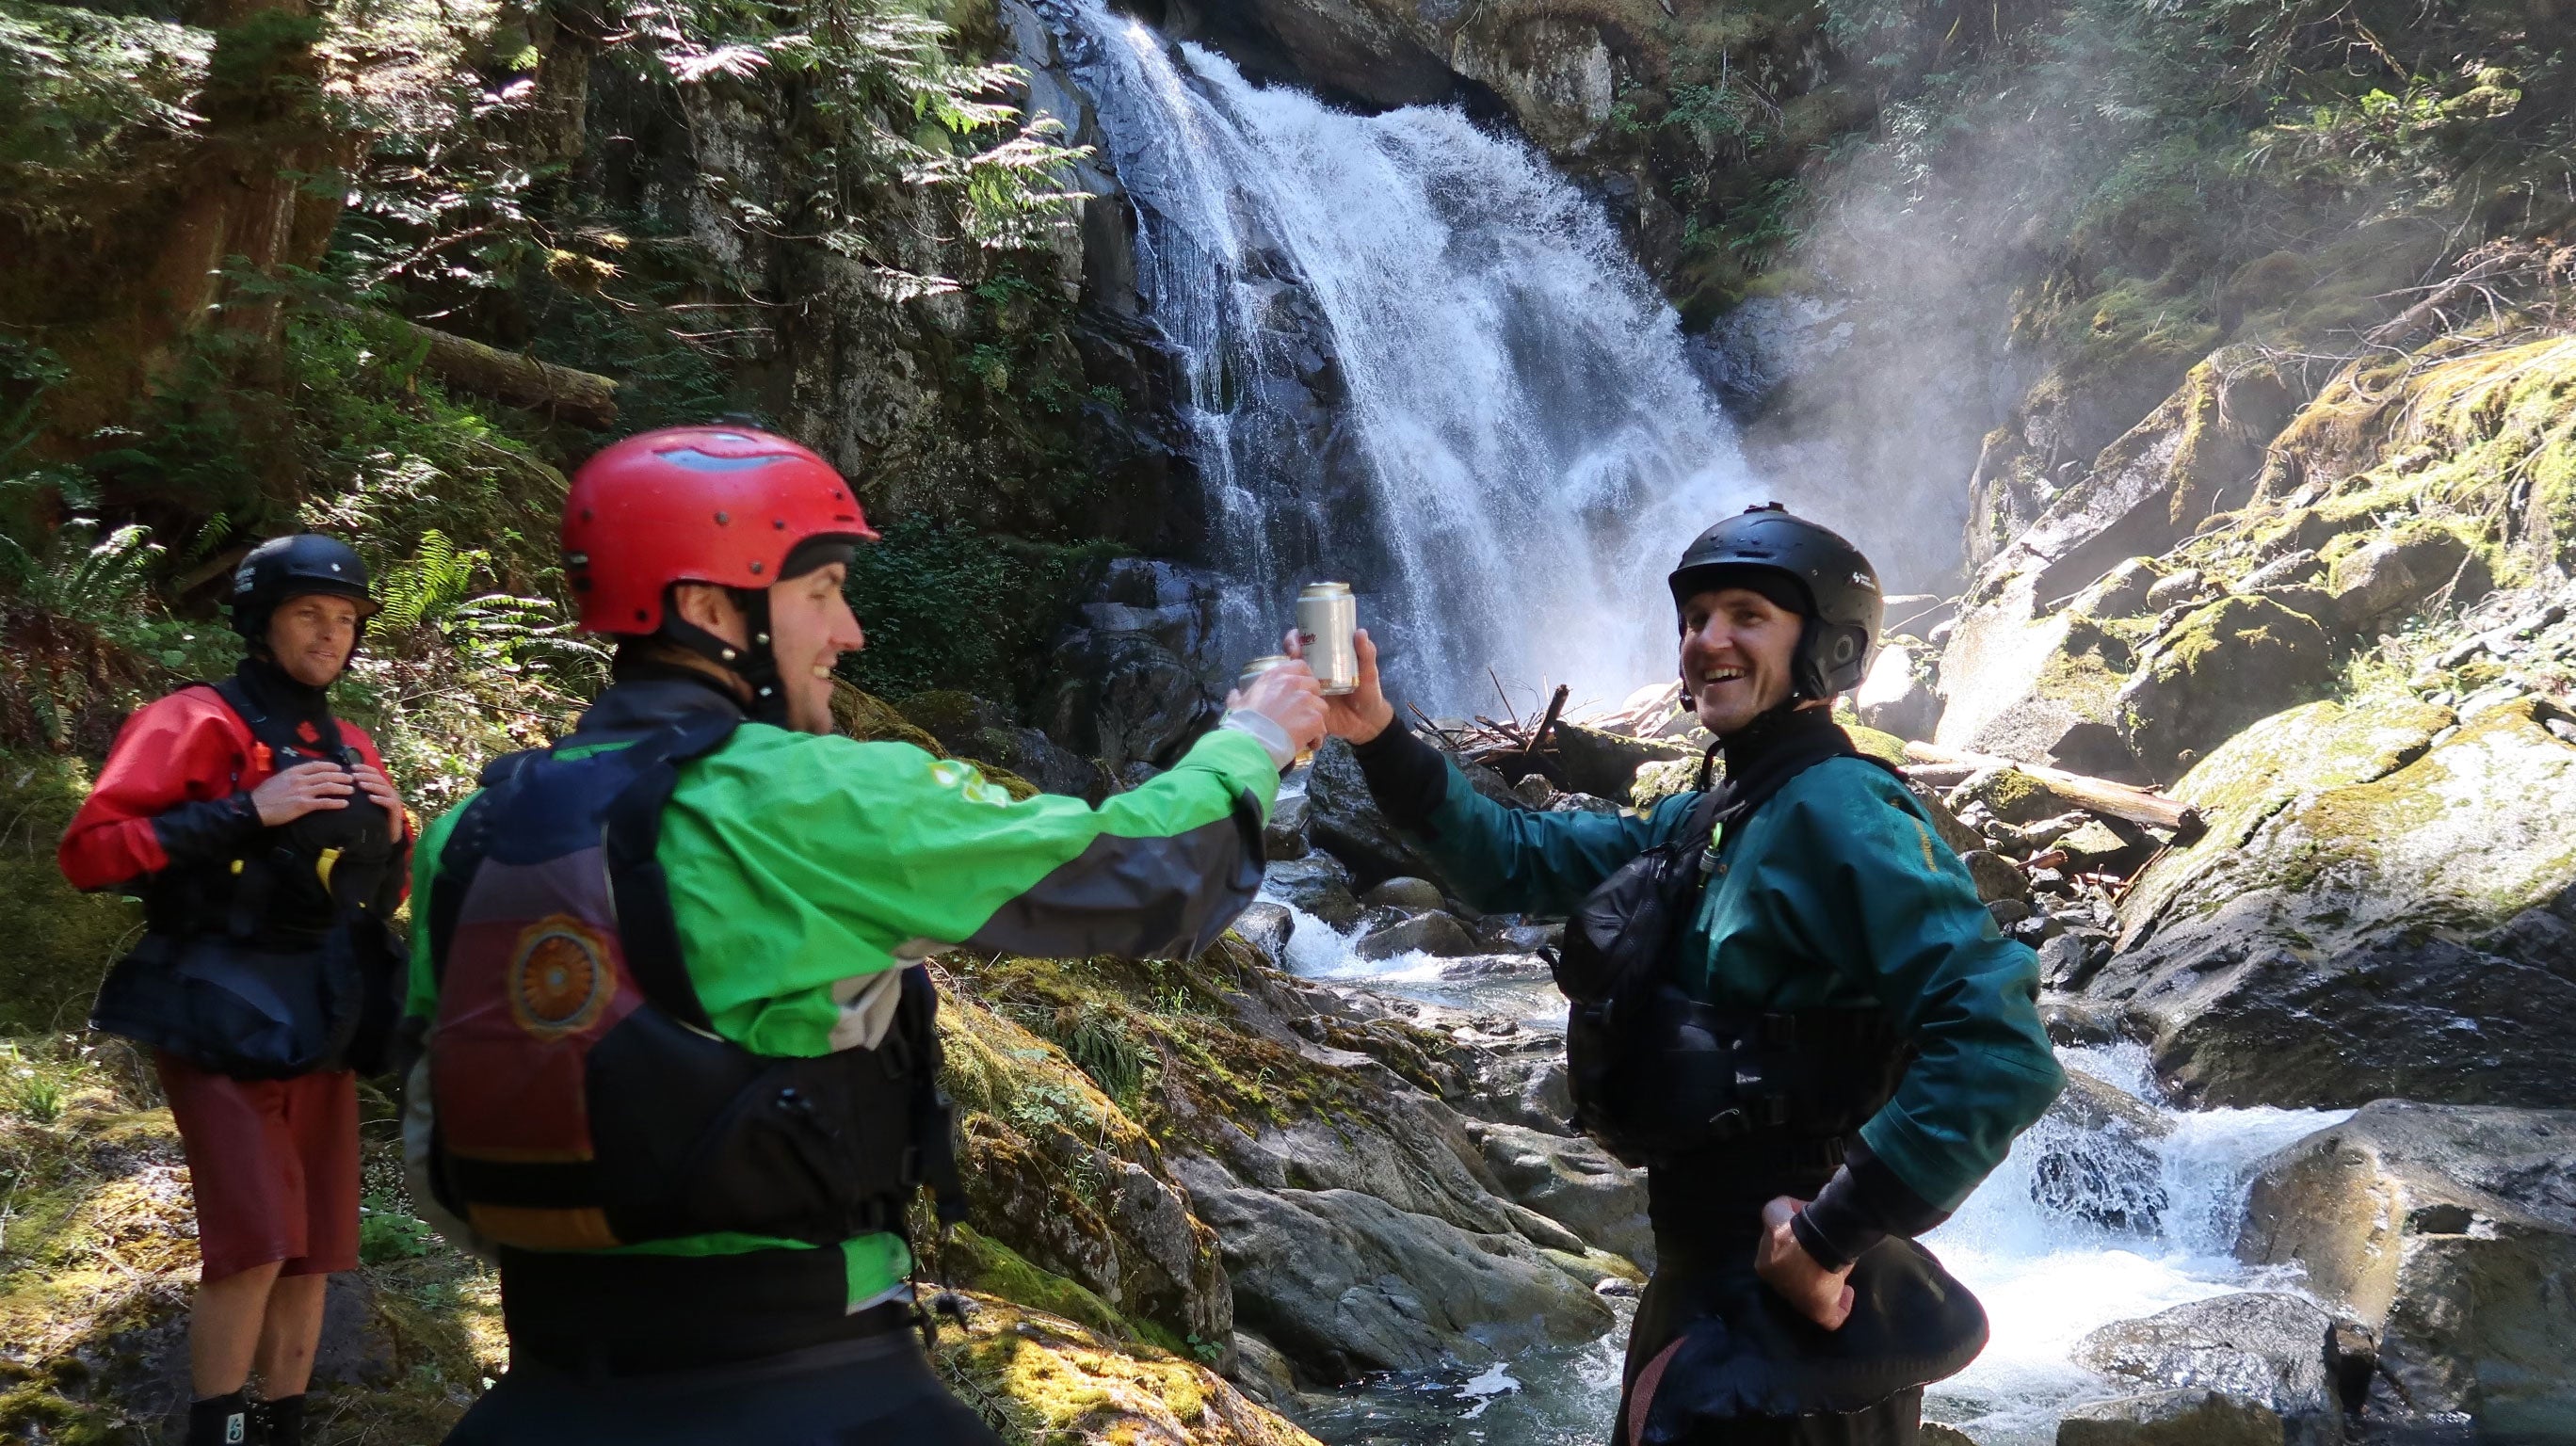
<point x="1414" y="358"/>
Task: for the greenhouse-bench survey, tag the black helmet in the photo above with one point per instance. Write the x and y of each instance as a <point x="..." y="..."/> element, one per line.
<point x="1840" y="588"/>
<point x="287" y="567"/>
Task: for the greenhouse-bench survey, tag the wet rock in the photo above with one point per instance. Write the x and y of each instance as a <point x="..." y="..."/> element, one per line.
<point x="2175" y="589"/>
<point x="2183" y="1417"/>
<point x="1316" y="883"/>
<point x="1605" y="764"/>
<point x="1123" y="698"/>
<point x="1267" y="926"/>
<point x="1343" y="819"/>
<point x="2099" y="847"/>
<point x="1431" y="933"/>
<point x="2385" y="579"/>
<point x="1574" y="1182"/>
<point x="2069" y="961"/>
<point x="2347" y="929"/>
<point x="1577" y="802"/>
<point x="1513" y="934"/>
<point x="2450" y="1231"/>
<point x="1283" y="836"/>
<point x="1346" y="1283"/>
<point x="2094" y="1157"/>
<point x="1996" y="878"/>
<point x="1897" y="696"/>
<point x="2262" y="1347"/>
<point x="1404" y="893"/>
<point x="2220" y="668"/>
<point x="1936" y="1434"/>
<point x="1262" y="1371"/>
<point x="2009" y="913"/>
<point x="2009" y="794"/>
<point x="1961" y="838"/>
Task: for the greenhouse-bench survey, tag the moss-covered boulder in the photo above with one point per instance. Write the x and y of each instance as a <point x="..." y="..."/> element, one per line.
<point x="1039" y="1376"/>
<point x="2220" y="668"/>
<point x="2372" y="912"/>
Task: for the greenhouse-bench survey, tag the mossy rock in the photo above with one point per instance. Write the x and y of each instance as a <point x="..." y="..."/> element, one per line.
<point x="870" y="719"/>
<point x="2219" y="669"/>
<point x="2382" y="907"/>
<point x="1041" y="1377"/>
<point x="60" y="939"/>
<point x="1886" y="747"/>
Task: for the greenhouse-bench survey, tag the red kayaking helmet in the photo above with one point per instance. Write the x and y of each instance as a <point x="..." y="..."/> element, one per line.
<point x="718" y="504"/>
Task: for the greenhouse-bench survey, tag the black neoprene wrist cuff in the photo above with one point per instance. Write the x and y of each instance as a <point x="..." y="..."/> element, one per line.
<point x="208" y="830"/>
<point x="1408" y="777"/>
<point x="1862" y="1205"/>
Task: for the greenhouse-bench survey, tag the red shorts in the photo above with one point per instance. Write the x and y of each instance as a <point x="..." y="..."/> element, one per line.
<point x="274" y="1164"/>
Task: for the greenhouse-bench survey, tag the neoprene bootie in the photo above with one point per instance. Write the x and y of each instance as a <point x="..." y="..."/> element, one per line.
<point x="219" y="1421"/>
<point x="279" y="1422"/>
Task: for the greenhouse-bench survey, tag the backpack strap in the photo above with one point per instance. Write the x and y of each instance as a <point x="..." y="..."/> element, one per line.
<point x="646" y="928"/>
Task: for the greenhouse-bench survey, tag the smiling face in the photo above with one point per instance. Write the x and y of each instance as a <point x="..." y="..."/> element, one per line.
<point x="312" y="637"/>
<point x="1737" y="646"/>
<point x="810" y="627"/>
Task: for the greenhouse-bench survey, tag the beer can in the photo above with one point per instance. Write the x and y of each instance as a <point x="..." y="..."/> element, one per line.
<point x="1259" y="666"/>
<point x="1326" y="616"/>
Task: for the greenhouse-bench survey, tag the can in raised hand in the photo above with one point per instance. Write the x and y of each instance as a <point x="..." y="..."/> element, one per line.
<point x="1327" y="615"/>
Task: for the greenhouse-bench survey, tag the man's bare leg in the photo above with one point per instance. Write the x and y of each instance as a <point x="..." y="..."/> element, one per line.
<point x="287" y="1338"/>
<point x="226" y="1330"/>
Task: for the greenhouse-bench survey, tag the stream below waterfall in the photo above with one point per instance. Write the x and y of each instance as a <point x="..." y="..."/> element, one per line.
<point x="2046" y="1276"/>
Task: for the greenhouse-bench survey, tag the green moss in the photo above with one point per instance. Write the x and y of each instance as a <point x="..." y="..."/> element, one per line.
<point x="1879" y="745"/>
<point x="977" y="1260"/>
<point x="60" y="939"/>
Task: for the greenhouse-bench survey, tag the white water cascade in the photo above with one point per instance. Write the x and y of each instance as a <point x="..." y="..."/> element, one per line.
<point x="1416" y="358"/>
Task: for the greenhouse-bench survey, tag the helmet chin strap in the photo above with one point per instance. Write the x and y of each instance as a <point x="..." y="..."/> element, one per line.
<point x="756" y="664"/>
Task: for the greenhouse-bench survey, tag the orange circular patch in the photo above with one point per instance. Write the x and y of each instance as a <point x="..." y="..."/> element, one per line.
<point x="561" y="979"/>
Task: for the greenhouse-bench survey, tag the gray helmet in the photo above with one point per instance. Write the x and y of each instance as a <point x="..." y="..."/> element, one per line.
<point x="1840" y="588"/>
<point x="288" y="567"/>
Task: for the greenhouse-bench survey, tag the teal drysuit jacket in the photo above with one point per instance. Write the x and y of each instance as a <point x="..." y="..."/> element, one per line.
<point x="1835" y="893"/>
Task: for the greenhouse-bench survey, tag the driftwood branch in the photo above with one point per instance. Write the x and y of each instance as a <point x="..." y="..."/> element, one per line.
<point x="586" y="398"/>
<point x="1555" y="705"/>
<point x="2119" y="800"/>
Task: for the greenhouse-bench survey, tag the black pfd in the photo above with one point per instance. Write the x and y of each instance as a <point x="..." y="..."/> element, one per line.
<point x="295" y="881"/>
<point x="582" y="1098"/>
<point x="1657" y="1076"/>
<point x="278" y="961"/>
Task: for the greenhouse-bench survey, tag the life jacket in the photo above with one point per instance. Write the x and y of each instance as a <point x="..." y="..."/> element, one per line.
<point x="582" y="1098"/>
<point x="1656" y="1075"/>
<point x="298" y="879"/>
<point x="278" y="962"/>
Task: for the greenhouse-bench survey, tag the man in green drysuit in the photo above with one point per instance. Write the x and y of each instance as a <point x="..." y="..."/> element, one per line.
<point x="662" y="1294"/>
<point x="1878" y="1039"/>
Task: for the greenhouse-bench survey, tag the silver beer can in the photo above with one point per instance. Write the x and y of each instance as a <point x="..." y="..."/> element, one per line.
<point x="1259" y="666"/>
<point x="1327" y="614"/>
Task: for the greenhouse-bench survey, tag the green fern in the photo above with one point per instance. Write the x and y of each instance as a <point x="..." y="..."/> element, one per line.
<point x="428" y="590"/>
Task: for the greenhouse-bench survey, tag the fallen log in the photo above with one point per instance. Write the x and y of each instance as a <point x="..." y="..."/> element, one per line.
<point x="2140" y="806"/>
<point x="585" y="398"/>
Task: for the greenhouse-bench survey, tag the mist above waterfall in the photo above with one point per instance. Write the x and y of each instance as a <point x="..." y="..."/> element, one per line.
<point x="1414" y="358"/>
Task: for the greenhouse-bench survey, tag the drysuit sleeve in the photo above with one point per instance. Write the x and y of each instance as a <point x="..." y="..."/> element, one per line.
<point x="1860" y="879"/>
<point x="798" y="863"/>
<point x="172" y="791"/>
<point x="1498" y="858"/>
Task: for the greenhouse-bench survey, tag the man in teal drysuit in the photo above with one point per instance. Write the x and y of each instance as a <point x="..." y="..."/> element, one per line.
<point x="680" y="1052"/>
<point x="1881" y="1040"/>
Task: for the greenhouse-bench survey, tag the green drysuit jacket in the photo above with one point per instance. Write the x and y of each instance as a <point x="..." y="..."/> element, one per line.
<point x="1836" y="893"/>
<point x="800" y="864"/>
